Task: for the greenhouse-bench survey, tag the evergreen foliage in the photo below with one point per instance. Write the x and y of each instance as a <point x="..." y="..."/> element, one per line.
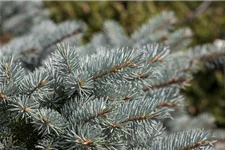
<point x="132" y="14"/>
<point x="210" y="97"/>
<point x="18" y="17"/>
<point x="113" y="93"/>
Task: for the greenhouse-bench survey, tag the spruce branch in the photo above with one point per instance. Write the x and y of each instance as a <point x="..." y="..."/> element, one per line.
<point x="196" y="145"/>
<point x="114" y="33"/>
<point x="82" y="138"/>
<point x="49" y="122"/>
<point x="203" y="58"/>
<point x="75" y="32"/>
<point x="36" y="49"/>
<point x="151" y="132"/>
<point x="164" y="84"/>
<point x="23" y="107"/>
<point x="39" y="85"/>
<point x="139" y="118"/>
<point x="48" y="143"/>
<point x="116" y="90"/>
<point x="112" y="93"/>
<point x="11" y="71"/>
<point x="167" y="104"/>
<point x="155" y="52"/>
<point x="179" y="39"/>
<point x="149" y="109"/>
<point x="139" y="76"/>
<point x="104" y="113"/>
<point x="211" y="56"/>
<point x="160" y="22"/>
<point x="115" y="69"/>
<point x="186" y="140"/>
<point x="66" y="59"/>
<point x="36" y="84"/>
<point x="95" y="108"/>
<point x="80" y="84"/>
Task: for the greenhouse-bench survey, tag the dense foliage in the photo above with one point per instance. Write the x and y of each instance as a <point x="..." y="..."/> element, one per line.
<point x="113" y="93"/>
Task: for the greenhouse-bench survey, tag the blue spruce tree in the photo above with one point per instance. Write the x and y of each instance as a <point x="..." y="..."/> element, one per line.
<point x="113" y="93"/>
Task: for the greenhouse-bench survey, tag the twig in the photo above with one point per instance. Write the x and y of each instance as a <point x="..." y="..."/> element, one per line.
<point x="204" y="5"/>
<point x="196" y="145"/>
<point x="33" y="49"/>
<point x="115" y="69"/>
<point x="164" y="84"/>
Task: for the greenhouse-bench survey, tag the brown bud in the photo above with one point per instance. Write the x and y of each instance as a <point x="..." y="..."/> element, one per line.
<point x="115" y="70"/>
<point x="87" y="142"/>
<point x="154" y="59"/>
<point x="134" y="65"/>
<point x="105" y="115"/>
<point x="26" y="109"/>
<point x="81" y="83"/>
<point x="175" y="79"/>
<point x="160" y="59"/>
<point x="126" y="98"/>
<point x="3" y="96"/>
<point x="48" y="147"/>
<point x="43" y="82"/>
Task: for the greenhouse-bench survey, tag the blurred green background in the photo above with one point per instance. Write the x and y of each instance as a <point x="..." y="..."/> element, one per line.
<point x="207" y="26"/>
<point x="207" y="92"/>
